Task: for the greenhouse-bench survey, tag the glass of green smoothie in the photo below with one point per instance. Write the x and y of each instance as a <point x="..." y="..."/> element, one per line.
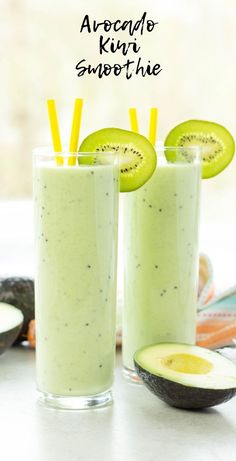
<point x="76" y="212"/>
<point x="161" y="254"/>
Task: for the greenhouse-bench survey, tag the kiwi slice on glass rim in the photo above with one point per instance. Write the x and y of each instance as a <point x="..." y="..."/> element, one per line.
<point x="137" y="156"/>
<point x="216" y="142"/>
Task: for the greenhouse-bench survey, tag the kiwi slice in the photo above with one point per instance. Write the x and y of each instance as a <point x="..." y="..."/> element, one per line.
<point x="137" y="156"/>
<point x="216" y="142"/>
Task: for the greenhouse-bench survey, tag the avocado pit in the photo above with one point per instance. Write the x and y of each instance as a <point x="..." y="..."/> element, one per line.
<point x="187" y="363"/>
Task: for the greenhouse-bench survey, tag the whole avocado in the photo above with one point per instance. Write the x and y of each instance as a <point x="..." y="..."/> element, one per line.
<point x="19" y="292"/>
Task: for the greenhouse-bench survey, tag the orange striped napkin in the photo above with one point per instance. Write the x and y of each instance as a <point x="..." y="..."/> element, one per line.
<point x="216" y="325"/>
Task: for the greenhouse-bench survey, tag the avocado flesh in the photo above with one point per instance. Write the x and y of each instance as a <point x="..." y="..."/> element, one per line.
<point x="11" y="321"/>
<point x="19" y="292"/>
<point x="186" y="376"/>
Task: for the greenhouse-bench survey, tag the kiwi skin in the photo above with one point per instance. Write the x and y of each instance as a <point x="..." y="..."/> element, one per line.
<point x="135" y="169"/>
<point x="213" y="130"/>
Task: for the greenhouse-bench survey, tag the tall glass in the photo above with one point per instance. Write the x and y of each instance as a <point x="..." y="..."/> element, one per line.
<point x="161" y="255"/>
<point x="75" y="282"/>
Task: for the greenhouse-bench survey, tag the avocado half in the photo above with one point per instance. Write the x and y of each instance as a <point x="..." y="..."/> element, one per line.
<point x="186" y="376"/>
<point x="11" y="321"/>
<point x="19" y="292"/>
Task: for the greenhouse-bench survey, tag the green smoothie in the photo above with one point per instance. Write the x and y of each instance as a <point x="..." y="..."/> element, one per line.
<point x="161" y="258"/>
<point x="76" y="244"/>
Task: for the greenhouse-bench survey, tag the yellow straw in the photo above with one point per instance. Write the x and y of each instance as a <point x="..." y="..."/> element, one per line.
<point x="52" y="113"/>
<point x="75" y="130"/>
<point x="133" y="119"/>
<point x="153" y="125"/>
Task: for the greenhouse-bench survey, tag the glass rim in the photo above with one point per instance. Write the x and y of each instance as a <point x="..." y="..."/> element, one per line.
<point x="194" y="153"/>
<point x="47" y="151"/>
<point x="160" y="147"/>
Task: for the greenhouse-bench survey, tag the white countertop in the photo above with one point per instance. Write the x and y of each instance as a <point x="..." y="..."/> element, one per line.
<point x="137" y="427"/>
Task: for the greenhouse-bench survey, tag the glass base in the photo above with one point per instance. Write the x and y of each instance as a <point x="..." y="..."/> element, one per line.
<point x="131" y="375"/>
<point x="76" y="403"/>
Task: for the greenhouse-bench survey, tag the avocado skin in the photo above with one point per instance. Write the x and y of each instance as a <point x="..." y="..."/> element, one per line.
<point x="19" y="292"/>
<point x="181" y="396"/>
<point x="7" y="338"/>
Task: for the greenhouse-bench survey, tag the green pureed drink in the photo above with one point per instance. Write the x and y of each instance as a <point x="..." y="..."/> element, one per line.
<point x="161" y="256"/>
<point x="76" y="253"/>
